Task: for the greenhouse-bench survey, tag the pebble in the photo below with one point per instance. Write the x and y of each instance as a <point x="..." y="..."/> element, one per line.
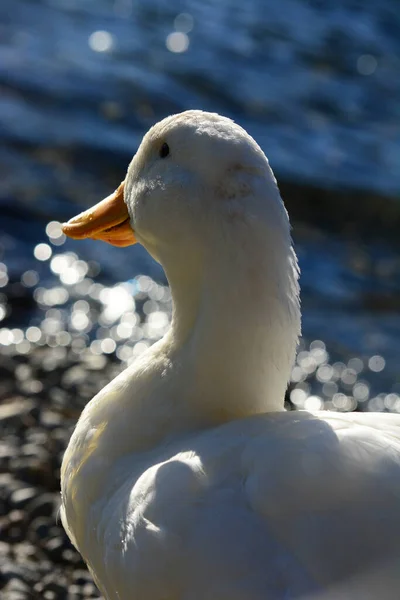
<point x="81" y="577"/>
<point x="15" y="595"/>
<point x="54" y="547"/>
<point x="20" y="497"/>
<point x="17" y="585"/>
<point x="15" y="408"/>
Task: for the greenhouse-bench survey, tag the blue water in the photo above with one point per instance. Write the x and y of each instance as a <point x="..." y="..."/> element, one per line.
<point x="317" y="83"/>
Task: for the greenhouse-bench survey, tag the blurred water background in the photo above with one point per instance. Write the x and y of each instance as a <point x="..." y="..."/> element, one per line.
<point x="317" y="83"/>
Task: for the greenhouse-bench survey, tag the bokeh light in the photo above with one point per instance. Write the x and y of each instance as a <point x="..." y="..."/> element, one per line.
<point x="42" y="252"/>
<point x="367" y="64"/>
<point x="184" y="22"/>
<point x="177" y="42"/>
<point x="101" y="41"/>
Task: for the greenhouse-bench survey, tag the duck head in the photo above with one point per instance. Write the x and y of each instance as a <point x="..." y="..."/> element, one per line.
<point x="201" y="197"/>
<point x="195" y="177"/>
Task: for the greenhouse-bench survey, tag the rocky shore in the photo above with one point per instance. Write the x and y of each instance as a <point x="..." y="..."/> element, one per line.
<point x="39" y="409"/>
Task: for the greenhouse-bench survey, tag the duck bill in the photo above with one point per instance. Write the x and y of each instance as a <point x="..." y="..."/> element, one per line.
<point x="108" y="221"/>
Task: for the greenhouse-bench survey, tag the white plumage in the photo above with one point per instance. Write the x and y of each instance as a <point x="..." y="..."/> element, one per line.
<point x="185" y="479"/>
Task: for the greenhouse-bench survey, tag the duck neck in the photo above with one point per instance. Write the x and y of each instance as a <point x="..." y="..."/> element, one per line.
<point x="235" y="326"/>
<point x="227" y="355"/>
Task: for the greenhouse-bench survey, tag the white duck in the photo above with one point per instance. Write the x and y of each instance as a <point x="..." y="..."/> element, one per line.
<point x="185" y="479"/>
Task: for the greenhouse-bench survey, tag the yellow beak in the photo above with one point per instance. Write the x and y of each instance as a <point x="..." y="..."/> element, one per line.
<point x="108" y="221"/>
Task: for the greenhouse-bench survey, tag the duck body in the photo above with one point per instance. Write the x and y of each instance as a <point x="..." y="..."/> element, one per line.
<point x="185" y="479"/>
<point x="280" y="505"/>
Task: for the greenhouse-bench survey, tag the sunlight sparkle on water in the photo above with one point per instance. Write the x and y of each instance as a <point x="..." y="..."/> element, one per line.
<point x="177" y="42"/>
<point x="55" y="234"/>
<point x="80" y="321"/>
<point x="392" y="402"/>
<point x="30" y="278"/>
<point x="356" y="364"/>
<point x="101" y="41"/>
<point x="349" y="376"/>
<point x="33" y="334"/>
<point x="6" y="337"/>
<point x="53" y="296"/>
<point x="3" y="275"/>
<point x="42" y="252"/>
<point x="329" y="389"/>
<point x="376" y="363"/>
<point x="183" y="22"/>
<point x="343" y="402"/>
<point x="124" y="330"/>
<point x="60" y="262"/>
<point x="124" y="353"/>
<point x="298" y="396"/>
<point x="108" y="345"/>
<point x="116" y="300"/>
<point x="324" y="373"/>
<point x="361" y="391"/>
<point x="314" y="403"/>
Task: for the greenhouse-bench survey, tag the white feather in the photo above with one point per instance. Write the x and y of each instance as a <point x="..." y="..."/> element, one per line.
<point x="185" y="479"/>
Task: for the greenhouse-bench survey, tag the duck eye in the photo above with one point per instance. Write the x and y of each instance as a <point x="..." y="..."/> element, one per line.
<point x="164" y="150"/>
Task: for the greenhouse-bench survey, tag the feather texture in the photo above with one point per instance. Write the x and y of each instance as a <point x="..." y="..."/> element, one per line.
<point x="185" y="479"/>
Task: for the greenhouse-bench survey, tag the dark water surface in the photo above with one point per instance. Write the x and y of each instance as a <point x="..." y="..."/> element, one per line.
<point x="318" y="85"/>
